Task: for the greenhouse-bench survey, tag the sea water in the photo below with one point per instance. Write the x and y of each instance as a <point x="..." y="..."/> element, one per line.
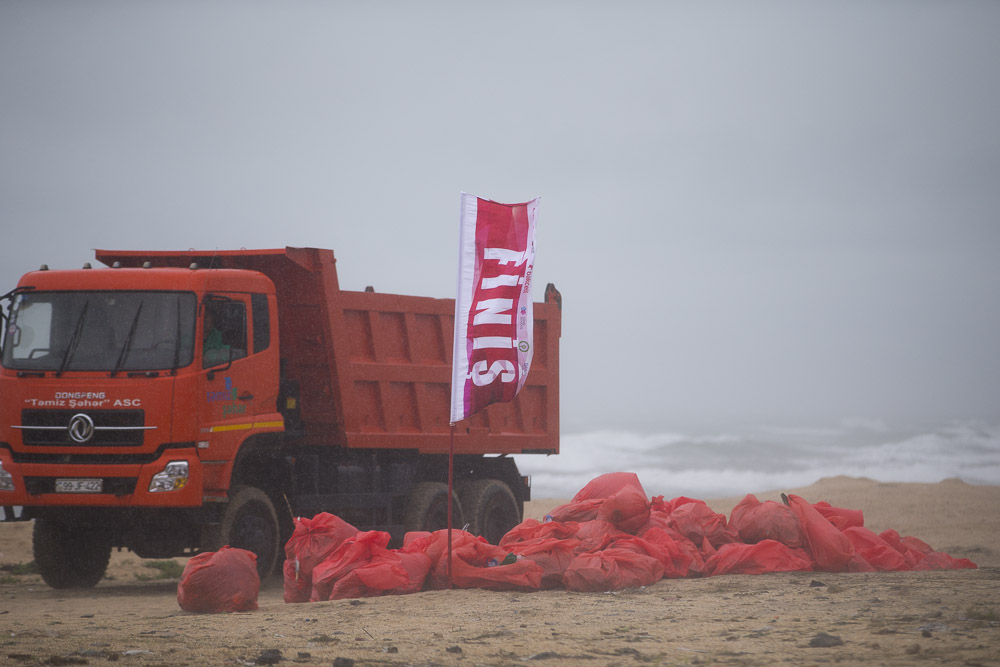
<point x="765" y="458"/>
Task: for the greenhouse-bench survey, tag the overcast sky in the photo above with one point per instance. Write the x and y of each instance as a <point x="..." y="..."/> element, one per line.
<point x="768" y="212"/>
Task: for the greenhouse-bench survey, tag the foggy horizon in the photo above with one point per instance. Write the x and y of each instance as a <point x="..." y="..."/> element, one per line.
<point x="774" y="214"/>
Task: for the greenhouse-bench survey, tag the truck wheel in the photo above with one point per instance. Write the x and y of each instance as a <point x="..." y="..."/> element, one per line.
<point x="250" y="522"/>
<point x="490" y="508"/>
<point x="427" y="508"/>
<point x="70" y="556"/>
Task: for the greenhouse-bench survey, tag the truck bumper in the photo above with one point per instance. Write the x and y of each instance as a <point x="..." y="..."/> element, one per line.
<point x="28" y="485"/>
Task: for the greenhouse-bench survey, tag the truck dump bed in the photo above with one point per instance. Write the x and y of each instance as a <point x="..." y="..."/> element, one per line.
<point x="374" y="370"/>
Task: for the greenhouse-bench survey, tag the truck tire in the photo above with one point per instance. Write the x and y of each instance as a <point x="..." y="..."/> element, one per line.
<point x="427" y="508"/>
<point x="250" y="522"/>
<point x="70" y="556"/>
<point x="490" y="508"/>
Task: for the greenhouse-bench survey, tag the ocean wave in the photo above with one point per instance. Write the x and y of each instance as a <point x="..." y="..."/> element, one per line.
<point x="767" y="458"/>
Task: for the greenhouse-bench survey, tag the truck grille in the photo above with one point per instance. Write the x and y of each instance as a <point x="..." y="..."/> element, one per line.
<point x="111" y="428"/>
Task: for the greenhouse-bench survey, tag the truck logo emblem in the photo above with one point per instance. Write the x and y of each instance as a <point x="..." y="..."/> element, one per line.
<point x="81" y="428"/>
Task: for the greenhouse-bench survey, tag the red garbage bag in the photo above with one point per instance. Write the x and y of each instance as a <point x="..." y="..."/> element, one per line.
<point x="676" y="557"/>
<point x="311" y="542"/>
<point x="612" y="569"/>
<point x="350" y="555"/>
<point x="640" y="545"/>
<point x="384" y="572"/>
<point x="297" y="584"/>
<point x="759" y="558"/>
<point x="916" y="544"/>
<point x="679" y="557"/>
<point x="697" y="567"/>
<point x="607" y="485"/>
<point x="597" y="534"/>
<point x="697" y="522"/>
<point x="858" y="564"/>
<point x="435" y="546"/>
<point x="413" y="536"/>
<point x="552" y="555"/>
<point x="627" y="509"/>
<point x="841" y="518"/>
<point x="672" y="504"/>
<point x="830" y="549"/>
<point x="706" y="548"/>
<point x="755" y="521"/>
<point x="588" y="501"/>
<point x="532" y="530"/>
<point x="659" y="514"/>
<point x="922" y="555"/>
<point x="522" y="575"/>
<point x="656" y="520"/>
<point x="913" y="551"/>
<point x="938" y="560"/>
<point x="876" y="551"/>
<point x="315" y="538"/>
<point x="576" y="510"/>
<point x="417" y="565"/>
<point x="216" y="581"/>
<point x="389" y="572"/>
<point x="479" y="564"/>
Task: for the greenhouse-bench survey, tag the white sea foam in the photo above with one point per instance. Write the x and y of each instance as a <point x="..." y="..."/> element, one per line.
<point x="765" y="458"/>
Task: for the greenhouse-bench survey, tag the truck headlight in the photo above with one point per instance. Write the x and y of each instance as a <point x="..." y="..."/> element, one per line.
<point x="6" y="479"/>
<point x="173" y="477"/>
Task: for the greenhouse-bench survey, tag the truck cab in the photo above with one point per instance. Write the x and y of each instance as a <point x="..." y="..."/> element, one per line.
<point x="128" y="390"/>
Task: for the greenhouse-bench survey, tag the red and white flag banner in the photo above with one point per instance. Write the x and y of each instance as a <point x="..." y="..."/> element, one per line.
<point x="493" y="314"/>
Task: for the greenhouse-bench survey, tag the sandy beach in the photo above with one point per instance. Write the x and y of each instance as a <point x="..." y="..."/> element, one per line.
<point x="900" y="618"/>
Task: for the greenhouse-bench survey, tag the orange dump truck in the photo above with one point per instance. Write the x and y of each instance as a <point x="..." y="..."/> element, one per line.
<point x="179" y="401"/>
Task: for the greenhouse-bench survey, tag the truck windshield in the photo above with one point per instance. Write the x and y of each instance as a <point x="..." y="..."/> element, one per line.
<point x="100" y="331"/>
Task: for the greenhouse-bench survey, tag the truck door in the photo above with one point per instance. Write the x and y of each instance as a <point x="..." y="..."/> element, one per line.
<point x="239" y="377"/>
<point x="236" y="379"/>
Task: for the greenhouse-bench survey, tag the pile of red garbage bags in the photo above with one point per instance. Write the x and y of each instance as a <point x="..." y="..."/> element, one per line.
<point x="609" y="537"/>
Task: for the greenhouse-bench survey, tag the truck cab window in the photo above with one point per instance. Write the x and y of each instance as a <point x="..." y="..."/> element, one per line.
<point x="224" y="332"/>
<point x="95" y="331"/>
<point x="261" y="322"/>
<point x="28" y="334"/>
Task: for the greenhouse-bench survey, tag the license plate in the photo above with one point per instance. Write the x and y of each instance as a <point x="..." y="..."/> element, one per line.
<point x="79" y="485"/>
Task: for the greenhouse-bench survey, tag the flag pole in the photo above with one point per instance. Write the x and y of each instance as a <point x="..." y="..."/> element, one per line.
<point x="451" y="476"/>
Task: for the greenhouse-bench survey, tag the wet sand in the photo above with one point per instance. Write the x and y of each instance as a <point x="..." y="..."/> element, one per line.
<point x="797" y="618"/>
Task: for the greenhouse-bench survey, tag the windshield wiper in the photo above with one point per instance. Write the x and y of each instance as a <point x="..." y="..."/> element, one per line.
<point x="74" y="339"/>
<point x="127" y="345"/>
